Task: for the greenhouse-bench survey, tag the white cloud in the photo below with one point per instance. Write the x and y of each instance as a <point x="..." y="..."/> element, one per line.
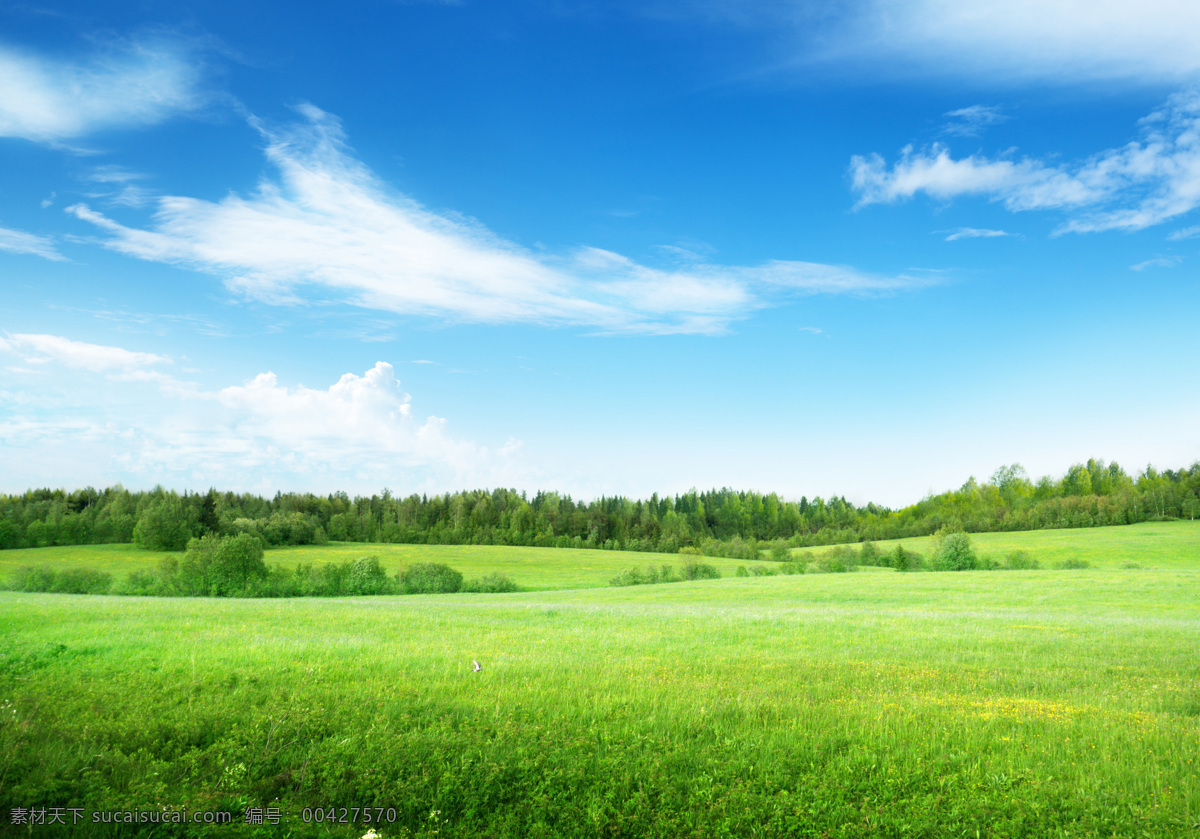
<point x="970" y="122"/>
<point x="132" y="83"/>
<point x="1061" y="41"/>
<point x="1185" y="233"/>
<point x="1157" y="262"/>
<point x="143" y="426"/>
<point x="329" y="227"/>
<point x="18" y="241"/>
<point x="98" y="358"/>
<point x="1140" y="184"/>
<point x="974" y="233"/>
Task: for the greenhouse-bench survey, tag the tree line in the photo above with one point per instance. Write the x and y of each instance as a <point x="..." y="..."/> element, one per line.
<point x="722" y="522"/>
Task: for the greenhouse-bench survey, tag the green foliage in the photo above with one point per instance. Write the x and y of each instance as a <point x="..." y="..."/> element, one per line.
<point x="493" y="583"/>
<point x="954" y="553"/>
<point x="221" y="566"/>
<point x="694" y="570"/>
<point x="836" y="560"/>
<point x="62" y="581"/>
<point x="869" y="554"/>
<point x="1020" y="561"/>
<point x="742" y="572"/>
<point x="166" y="525"/>
<point x="690" y="570"/>
<point x="780" y="552"/>
<point x="905" y="560"/>
<point x="1072" y="564"/>
<point x="366" y="576"/>
<point x="430" y="578"/>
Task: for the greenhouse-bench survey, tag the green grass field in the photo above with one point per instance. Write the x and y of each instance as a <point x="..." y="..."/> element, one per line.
<point x="1174" y="544"/>
<point x="991" y="704"/>
<point x="530" y="568"/>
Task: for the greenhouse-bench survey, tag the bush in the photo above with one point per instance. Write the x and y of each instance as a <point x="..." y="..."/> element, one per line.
<point x="763" y="571"/>
<point x="837" y="560"/>
<point x="693" y="570"/>
<point x="780" y="551"/>
<point x="903" y="560"/>
<point x="1020" y="561"/>
<point x="954" y="553"/>
<point x="222" y="566"/>
<point x="491" y="583"/>
<point x="366" y="576"/>
<point x="869" y="554"/>
<point x="82" y="581"/>
<point x="1073" y="563"/>
<point x="742" y="572"/>
<point x="430" y="578"/>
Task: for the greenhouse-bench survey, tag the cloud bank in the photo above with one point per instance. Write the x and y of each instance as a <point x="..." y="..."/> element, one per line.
<point x="1143" y="183"/>
<point x="328" y="229"/>
<point x="136" y="423"/>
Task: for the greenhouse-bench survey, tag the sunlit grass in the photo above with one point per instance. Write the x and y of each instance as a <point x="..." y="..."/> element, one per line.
<point x="1174" y="544"/>
<point x="840" y="705"/>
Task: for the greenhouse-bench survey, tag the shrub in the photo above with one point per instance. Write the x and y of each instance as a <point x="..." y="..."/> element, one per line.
<point x="837" y="560"/>
<point x="430" y="578"/>
<point x="492" y="583"/>
<point x="629" y="577"/>
<point x="763" y="571"/>
<point x="28" y="578"/>
<point x="693" y="570"/>
<point x="222" y="565"/>
<point x="82" y="581"/>
<point x="780" y="551"/>
<point x="954" y="553"/>
<point x="1073" y="563"/>
<point x="1020" y="561"/>
<point x="366" y="576"/>
<point x="869" y="554"/>
<point x="742" y="572"/>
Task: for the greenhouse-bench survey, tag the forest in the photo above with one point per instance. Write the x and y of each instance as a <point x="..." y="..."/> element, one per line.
<point x="722" y="522"/>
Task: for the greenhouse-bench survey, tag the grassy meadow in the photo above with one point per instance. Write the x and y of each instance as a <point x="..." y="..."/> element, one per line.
<point x="529" y="568"/>
<point x="976" y="704"/>
<point x="1173" y="544"/>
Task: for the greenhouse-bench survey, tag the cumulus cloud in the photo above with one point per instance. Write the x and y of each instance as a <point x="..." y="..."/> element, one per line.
<point x="328" y="226"/>
<point x="18" y="241"/>
<point x="360" y="433"/>
<point x="1143" y="183"/>
<point x="131" y="83"/>
<point x="98" y="358"/>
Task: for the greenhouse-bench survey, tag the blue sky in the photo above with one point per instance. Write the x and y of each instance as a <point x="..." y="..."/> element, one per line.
<point x="603" y="248"/>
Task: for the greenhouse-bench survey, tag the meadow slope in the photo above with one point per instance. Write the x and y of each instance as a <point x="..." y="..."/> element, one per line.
<point x="1002" y="704"/>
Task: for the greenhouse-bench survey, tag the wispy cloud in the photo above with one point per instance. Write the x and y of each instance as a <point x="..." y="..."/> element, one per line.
<point x="974" y="233"/>
<point x="971" y="121"/>
<point x="130" y="83"/>
<point x="1157" y="262"/>
<point x="329" y="227"/>
<point x="1061" y="41"/>
<point x="1185" y="233"/>
<point x="1140" y="184"/>
<point x="97" y="358"/>
<point x="18" y="241"/>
